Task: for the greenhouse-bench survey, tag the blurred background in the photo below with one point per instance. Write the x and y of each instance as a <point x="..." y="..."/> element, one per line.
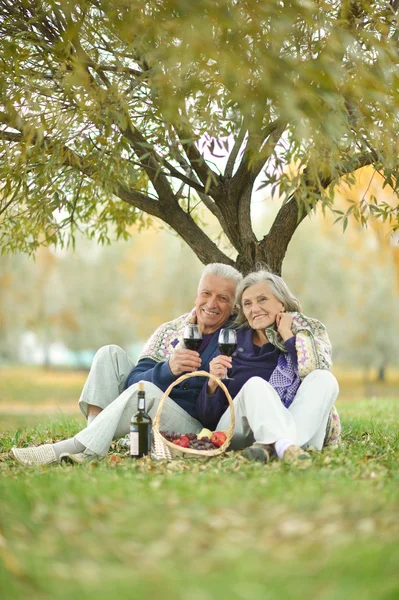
<point x="59" y="307"/>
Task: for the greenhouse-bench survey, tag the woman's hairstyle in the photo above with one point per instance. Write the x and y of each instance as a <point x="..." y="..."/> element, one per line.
<point x="277" y="286"/>
<point x="221" y="270"/>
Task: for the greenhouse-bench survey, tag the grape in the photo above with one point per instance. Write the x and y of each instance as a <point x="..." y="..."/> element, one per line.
<point x="196" y="444"/>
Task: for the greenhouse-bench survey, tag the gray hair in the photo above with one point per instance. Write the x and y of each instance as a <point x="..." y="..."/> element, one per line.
<point x="277" y="286"/>
<point x="221" y="270"/>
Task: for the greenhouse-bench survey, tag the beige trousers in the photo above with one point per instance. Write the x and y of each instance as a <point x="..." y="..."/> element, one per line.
<point x="104" y="387"/>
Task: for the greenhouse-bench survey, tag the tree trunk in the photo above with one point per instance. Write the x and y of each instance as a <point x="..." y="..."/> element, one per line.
<point x="381" y="372"/>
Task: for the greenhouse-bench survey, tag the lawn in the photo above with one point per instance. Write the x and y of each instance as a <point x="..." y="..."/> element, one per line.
<point x="189" y="530"/>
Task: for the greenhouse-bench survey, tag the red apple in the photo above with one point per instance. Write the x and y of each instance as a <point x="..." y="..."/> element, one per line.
<point x="184" y="441"/>
<point x="218" y="438"/>
<point x="176" y="441"/>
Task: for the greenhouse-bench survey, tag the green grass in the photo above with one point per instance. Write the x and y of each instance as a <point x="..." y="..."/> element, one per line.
<point x="192" y="530"/>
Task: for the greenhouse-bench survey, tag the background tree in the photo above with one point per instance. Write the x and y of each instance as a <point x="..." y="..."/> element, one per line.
<point x="16" y="284"/>
<point x="110" y="110"/>
<point x="93" y="295"/>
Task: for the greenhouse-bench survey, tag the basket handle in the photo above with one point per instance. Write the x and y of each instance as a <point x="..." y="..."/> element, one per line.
<point x="220" y="383"/>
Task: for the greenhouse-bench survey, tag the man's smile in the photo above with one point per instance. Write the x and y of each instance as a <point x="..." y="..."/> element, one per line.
<point x="211" y="312"/>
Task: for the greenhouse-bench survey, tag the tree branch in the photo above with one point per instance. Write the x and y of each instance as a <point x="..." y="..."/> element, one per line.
<point x="252" y="161"/>
<point x="143" y="149"/>
<point x="149" y="159"/>
<point x="228" y="172"/>
<point x="67" y="157"/>
<point x="206" y="199"/>
<point x="173" y="215"/>
<point x="241" y="184"/>
<point x="206" y="250"/>
<point x="184" y="178"/>
<point x="275" y="243"/>
<point x="206" y="175"/>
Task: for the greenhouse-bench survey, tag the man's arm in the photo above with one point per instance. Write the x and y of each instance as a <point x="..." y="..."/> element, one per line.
<point x="163" y="373"/>
<point x="158" y="373"/>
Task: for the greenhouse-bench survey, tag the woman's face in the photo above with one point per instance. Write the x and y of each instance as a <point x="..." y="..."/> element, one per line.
<point x="260" y="306"/>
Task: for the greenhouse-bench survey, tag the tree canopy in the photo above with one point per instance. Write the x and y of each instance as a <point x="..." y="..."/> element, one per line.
<point x="114" y="111"/>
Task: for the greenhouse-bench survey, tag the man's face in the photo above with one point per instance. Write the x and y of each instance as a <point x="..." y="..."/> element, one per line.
<point x="214" y="302"/>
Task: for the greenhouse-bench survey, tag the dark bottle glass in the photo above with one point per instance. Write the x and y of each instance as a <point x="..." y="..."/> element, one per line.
<point x="140" y="427"/>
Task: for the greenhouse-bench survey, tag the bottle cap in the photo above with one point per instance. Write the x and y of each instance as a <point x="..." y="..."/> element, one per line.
<point x="140" y="386"/>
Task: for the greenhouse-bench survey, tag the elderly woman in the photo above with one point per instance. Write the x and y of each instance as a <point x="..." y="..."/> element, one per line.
<point x="283" y="390"/>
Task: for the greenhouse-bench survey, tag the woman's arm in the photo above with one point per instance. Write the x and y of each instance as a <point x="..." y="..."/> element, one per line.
<point x="210" y="407"/>
<point x="313" y="345"/>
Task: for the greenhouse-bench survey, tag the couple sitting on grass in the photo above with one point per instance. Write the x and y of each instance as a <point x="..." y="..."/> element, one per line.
<point x="281" y="383"/>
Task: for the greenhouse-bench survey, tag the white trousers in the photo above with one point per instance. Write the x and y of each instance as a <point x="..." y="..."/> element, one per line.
<point x="261" y="416"/>
<point x="105" y="387"/>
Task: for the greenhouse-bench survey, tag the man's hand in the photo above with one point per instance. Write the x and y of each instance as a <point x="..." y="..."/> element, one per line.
<point x="184" y="361"/>
<point x="283" y="324"/>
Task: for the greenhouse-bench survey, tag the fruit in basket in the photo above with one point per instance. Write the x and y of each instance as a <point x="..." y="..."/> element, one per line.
<point x="184" y="441"/>
<point x="193" y="441"/>
<point x="218" y="438"/>
<point x="204" y="433"/>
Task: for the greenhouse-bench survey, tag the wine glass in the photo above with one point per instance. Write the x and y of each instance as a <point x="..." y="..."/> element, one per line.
<point x="227" y="344"/>
<point x="192" y="337"/>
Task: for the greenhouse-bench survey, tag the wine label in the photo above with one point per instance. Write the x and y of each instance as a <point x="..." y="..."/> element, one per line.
<point x="134" y="443"/>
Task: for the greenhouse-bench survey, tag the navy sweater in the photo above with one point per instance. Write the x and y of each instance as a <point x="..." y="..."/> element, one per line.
<point x="185" y="393"/>
<point x="248" y="361"/>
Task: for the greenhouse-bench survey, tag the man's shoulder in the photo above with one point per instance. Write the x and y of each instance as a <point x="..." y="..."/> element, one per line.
<point x="177" y="323"/>
<point x="164" y="340"/>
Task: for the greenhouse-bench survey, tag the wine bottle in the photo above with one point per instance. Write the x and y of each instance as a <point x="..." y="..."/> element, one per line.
<point x="140" y="427"/>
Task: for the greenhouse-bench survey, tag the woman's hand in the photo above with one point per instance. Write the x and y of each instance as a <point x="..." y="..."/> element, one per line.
<point x="284" y="324"/>
<point x="218" y="367"/>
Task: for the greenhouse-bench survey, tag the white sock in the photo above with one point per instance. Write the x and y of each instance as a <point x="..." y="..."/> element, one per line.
<point x="71" y="445"/>
<point x="281" y="446"/>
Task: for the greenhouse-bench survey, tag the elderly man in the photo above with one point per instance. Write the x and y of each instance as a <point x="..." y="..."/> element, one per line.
<point x="109" y="396"/>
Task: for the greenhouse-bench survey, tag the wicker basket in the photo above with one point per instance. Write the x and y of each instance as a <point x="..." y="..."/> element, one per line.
<point x="163" y="449"/>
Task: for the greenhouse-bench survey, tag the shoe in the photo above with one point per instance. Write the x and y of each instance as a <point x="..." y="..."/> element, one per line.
<point x="295" y="453"/>
<point x="35" y="455"/>
<point x="257" y="453"/>
<point x="80" y="458"/>
<point x="123" y="443"/>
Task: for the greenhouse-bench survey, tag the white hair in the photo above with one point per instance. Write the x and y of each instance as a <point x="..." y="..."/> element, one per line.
<point x="221" y="270"/>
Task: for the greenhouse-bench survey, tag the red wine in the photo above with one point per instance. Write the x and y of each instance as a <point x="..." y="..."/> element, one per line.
<point x="192" y="343"/>
<point x="227" y="349"/>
